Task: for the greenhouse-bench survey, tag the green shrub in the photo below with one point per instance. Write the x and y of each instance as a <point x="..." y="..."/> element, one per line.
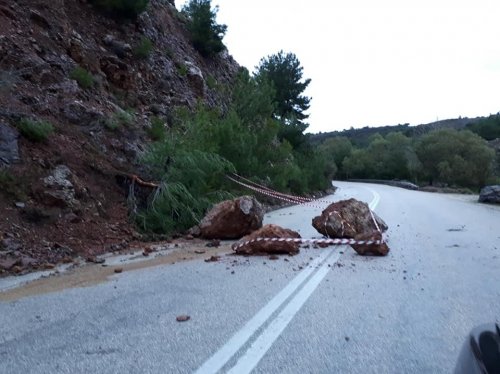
<point x="211" y="82"/>
<point x="12" y="186"/>
<point x="206" y="34"/>
<point x="182" y="70"/>
<point x="37" y="131"/>
<point x="122" y="8"/>
<point x="143" y="49"/>
<point x="192" y="183"/>
<point x="157" y="129"/>
<point x="119" y="119"/>
<point x="82" y="77"/>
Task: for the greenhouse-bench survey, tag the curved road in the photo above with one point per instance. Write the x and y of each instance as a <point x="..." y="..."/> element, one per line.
<point x="322" y="311"/>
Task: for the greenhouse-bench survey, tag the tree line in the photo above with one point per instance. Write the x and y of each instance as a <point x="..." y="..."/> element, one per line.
<point x="441" y="157"/>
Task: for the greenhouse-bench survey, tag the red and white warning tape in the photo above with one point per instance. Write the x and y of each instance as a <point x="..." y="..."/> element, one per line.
<point x="341" y="241"/>
<point x="307" y="202"/>
<point x="276" y="194"/>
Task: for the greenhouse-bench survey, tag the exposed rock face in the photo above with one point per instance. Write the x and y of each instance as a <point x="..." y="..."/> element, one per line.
<point x="232" y="219"/>
<point x="490" y="194"/>
<point x="269" y="247"/>
<point x="9" y="152"/>
<point x="352" y="219"/>
<point x="195" y="77"/>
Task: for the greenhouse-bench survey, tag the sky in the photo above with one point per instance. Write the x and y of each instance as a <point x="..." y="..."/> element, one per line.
<point x="377" y="63"/>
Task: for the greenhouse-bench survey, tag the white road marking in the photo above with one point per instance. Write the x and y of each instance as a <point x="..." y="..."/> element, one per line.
<point x="224" y="354"/>
<point x="265" y="340"/>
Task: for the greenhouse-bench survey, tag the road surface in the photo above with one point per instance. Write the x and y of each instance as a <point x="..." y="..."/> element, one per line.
<point x="322" y="311"/>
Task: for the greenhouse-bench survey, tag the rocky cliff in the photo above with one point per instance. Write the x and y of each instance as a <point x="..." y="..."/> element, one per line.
<point x="99" y="82"/>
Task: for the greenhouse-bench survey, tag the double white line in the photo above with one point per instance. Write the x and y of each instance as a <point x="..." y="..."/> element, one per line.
<point x="289" y="300"/>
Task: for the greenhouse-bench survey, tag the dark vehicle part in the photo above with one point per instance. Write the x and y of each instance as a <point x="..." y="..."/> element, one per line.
<point x="481" y="351"/>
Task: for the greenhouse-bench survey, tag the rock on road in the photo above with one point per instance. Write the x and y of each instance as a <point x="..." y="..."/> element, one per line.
<point x="322" y="311"/>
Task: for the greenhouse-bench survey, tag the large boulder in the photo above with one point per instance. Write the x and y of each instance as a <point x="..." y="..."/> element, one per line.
<point x="352" y="219"/>
<point x="380" y="249"/>
<point x="232" y="219"/>
<point x="490" y="194"/>
<point x="59" y="189"/>
<point x="251" y="245"/>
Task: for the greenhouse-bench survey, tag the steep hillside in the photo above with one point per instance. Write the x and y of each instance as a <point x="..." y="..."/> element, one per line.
<point x="100" y="82"/>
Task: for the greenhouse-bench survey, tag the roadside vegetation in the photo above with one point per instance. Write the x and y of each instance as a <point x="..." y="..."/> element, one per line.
<point x="259" y="136"/>
<point x="444" y="157"/>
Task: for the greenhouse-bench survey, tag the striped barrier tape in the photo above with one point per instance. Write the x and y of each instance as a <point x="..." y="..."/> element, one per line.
<point x="337" y="241"/>
<point x="307" y="202"/>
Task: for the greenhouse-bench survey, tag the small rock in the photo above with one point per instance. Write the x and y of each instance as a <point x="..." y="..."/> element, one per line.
<point x="183" y="318"/>
<point x="9" y="263"/>
<point x="212" y="259"/>
<point x="199" y="251"/>
<point x="189" y="237"/>
<point x="95" y="260"/>
<point x="20" y="205"/>
<point x="273" y="257"/>
<point x="213" y="243"/>
<point x="118" y="270"/>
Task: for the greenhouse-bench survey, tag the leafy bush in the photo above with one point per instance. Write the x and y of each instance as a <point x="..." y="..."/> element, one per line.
<point x="82" y="77"/>
<point x="206" y="33"/>
<point x="119" y="119"/>
<point x="211" y="82"/>
<point x="37" y="131"/>
<point x="122" y="8"/>
<point x="191" y="182"/>
<point x="157" y="129"/>
<point x="182" y="70"/>
<point x="143" y="49"/>
<point x="12" y="186"/>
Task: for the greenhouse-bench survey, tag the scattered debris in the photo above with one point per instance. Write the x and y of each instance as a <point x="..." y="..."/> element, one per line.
<point x="268" y="247"/>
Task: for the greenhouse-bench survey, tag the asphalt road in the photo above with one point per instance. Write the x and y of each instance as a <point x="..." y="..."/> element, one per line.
<point x="322" y="311"/>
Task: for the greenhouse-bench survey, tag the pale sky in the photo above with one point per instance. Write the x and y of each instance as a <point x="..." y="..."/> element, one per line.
<point x="376" y="63"/>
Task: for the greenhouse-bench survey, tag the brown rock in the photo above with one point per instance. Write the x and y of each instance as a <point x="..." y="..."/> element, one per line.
<point x="118" y="270"/>
<point x="232" y="219"/>
<point x="352" y="219"/>
<point x="374" y="249"/>
<point x="346" y="219"/>
<point x="212" y="259"/>
<point x="269" y="247"/>
<point x="183" y="318"/>
<point x="213" y="243"/>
